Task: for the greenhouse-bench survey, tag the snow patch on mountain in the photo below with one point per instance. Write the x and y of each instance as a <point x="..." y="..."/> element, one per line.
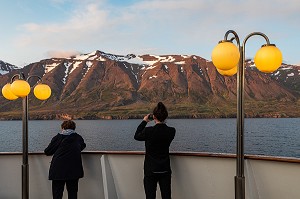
<point x="154" y="76"/>
<point x="67" y="65"/>
<point x="181" y="69"/>
<point x="3" y="72"/>
<point x="75" y="65"/>
<point x="50" y="67"/>
<point x="151" y="63"/>
<point x="150" y="67"/>
<point x="286" y="68"/>
<point x="137" y="60"/>
<point x="180" y="62"/>
<point x="168" y="59"/>
<point x="277" y="73"/>
<point x="185" y="56"/>
<point x="101" y="59"/>
<point x="89" y="56"/>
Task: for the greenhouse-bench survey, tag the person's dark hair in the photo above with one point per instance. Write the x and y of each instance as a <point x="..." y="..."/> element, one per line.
<point x="160" y="112"/>
<point x="68" y="124"/>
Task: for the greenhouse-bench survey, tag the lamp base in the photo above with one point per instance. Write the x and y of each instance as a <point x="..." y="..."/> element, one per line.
<point x="239" y="187"/>
<point x="25" y="181"/>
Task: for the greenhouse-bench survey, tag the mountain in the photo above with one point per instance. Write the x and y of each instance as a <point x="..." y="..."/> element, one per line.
<point x="6" y="67"/>
<point x="103" y="85"/>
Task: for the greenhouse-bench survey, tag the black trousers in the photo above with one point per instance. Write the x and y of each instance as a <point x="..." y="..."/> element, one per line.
<point x="59" y="185"/>
<point x="150" y="185"/>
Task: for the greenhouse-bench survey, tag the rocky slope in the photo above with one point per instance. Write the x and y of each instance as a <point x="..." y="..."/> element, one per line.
<point x="103" y="85"/>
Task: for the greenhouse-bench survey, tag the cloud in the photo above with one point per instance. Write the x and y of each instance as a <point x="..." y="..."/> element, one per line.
<point x="156" y="25"/>
<point x="246" y="8"/>
<point x="61" y="54"/>
<point x="155" y="16"/>
<point x="84" y="21"/>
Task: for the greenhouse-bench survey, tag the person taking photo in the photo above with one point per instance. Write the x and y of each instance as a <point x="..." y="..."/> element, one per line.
<point x="157" y="139"/>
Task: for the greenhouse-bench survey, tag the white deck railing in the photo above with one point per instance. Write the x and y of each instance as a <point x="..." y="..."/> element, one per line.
<point x="119" y="175"/>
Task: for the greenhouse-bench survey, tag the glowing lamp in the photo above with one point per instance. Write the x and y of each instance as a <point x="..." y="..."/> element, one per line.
<point x="268" y="58"/>
<point x="225" y="55"/>
<point x="230" y="72"/>
<point x="20" y="88"/>
<point x="42" y="91"/>
<point x="7" y="93"/>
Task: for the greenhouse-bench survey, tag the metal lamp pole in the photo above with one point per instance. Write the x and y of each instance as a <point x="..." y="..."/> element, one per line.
<point x="25" y="165"/>
<point x="240" y="178"/>
<point x="21" y="88"/>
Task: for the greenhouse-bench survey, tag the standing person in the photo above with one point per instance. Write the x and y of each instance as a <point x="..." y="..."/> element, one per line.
<point x="66" y="165"/>
<point x="157" y="139"/>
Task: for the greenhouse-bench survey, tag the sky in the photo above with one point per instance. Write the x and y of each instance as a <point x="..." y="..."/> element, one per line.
<point x="33" y="30"/>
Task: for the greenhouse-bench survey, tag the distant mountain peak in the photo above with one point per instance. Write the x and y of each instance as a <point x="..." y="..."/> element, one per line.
<point x="147" y="59"/>
<point x="6" y="67"/>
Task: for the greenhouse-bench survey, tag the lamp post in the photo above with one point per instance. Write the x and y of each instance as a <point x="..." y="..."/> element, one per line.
<point x="226" y="56"/>
<point x="21" y="88"/>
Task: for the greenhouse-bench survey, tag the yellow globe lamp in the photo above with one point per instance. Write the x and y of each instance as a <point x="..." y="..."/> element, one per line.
<point x="20" y="88"/>
<point x="42" y="91"/>
<point x="7" y="93"/>
<point x="230" y="72"/>
<point x="225" y="55"/>
<point x="268" y="58"/>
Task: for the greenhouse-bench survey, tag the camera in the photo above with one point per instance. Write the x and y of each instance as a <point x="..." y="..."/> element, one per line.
<point x="150" y="117"/>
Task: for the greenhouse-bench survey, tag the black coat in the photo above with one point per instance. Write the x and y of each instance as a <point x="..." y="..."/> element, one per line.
<point x="66" y="162"/>
<point x="157" y="142"/>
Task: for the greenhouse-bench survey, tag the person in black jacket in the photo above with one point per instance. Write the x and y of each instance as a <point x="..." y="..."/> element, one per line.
<point x="157" y="139"/>
<point x="66" y="165"/>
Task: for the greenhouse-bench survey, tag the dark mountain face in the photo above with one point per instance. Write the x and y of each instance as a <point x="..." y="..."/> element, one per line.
<point x="101" y="85"/>
<point x="6" y="68"/>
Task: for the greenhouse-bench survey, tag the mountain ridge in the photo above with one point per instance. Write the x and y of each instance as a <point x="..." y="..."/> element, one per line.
<point x="101" y="85"/>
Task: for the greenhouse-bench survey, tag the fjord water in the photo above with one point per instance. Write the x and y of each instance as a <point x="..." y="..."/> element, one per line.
<point x="263" y="136"/>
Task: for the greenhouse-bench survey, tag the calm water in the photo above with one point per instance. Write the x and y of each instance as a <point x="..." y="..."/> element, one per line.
<point x="276" y="137"/>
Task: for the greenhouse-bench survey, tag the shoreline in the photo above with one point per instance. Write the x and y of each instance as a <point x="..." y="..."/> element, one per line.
<point x="128" y="117"/>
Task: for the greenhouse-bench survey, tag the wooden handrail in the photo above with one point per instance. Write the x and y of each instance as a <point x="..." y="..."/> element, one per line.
<point x="195" y="154"/>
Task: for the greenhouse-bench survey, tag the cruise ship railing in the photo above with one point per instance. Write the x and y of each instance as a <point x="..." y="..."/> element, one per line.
<point x="119" y="175"/>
